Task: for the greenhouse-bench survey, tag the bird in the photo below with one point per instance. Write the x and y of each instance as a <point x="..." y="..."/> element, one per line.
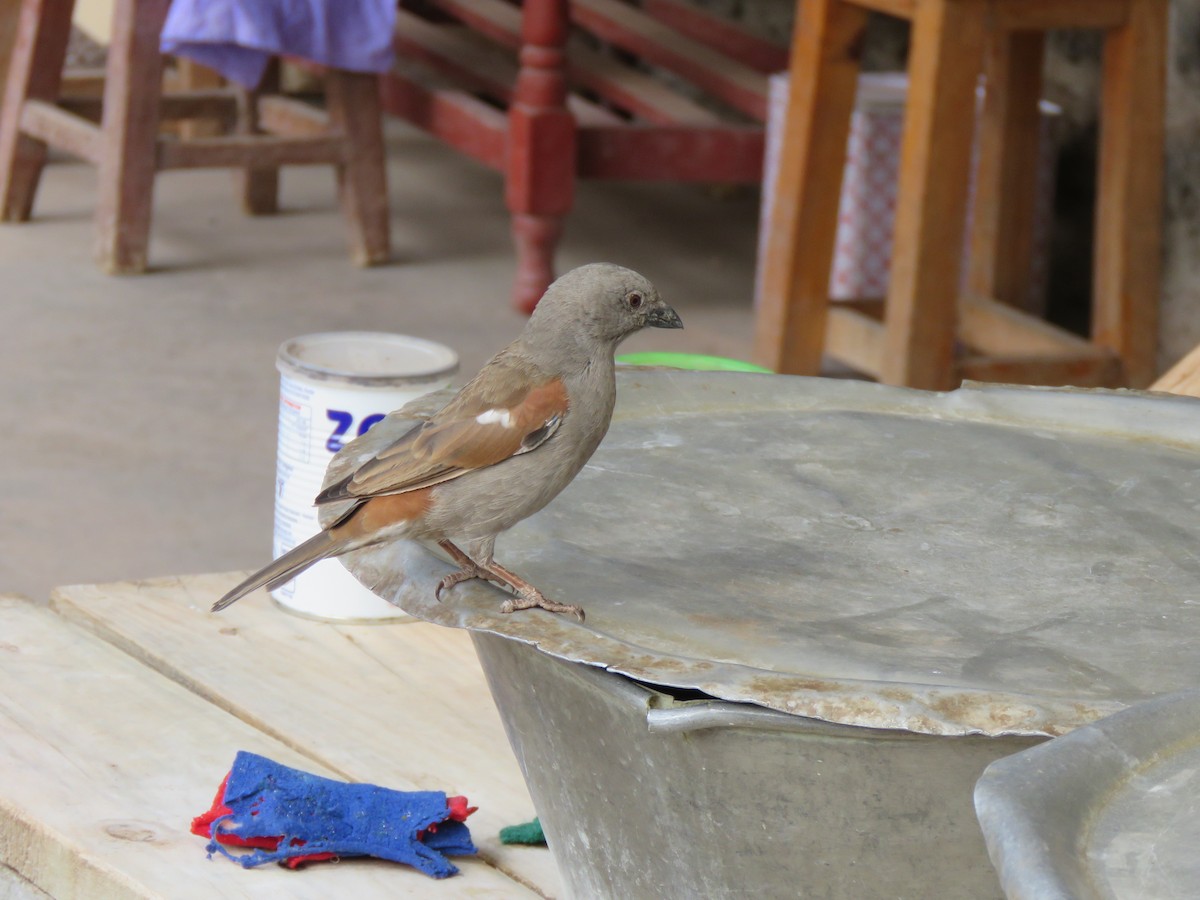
<point x="499" y="450"/>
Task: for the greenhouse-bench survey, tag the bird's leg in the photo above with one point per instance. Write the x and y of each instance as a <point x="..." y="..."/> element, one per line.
<point x="468" y="570"/>
<point x="527" y="595"/>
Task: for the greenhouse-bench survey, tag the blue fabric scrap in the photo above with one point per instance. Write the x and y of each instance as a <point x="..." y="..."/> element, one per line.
<point x="320" y="815"/>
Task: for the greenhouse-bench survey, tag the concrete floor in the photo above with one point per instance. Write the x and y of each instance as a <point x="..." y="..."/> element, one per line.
<point x="140" y="412"/>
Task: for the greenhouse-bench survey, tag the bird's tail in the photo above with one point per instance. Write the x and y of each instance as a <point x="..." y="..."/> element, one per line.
<point x="284" y="569"/>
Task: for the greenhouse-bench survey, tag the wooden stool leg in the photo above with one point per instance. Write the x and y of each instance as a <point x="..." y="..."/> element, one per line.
<point x="35" y="73"/>
<point x="921" y="316"/>
<point x="132" y="89"/>
<point x="362" y="180"/>
<point x="540" y="182"/>
<point x="1001" y="262"/>
<point x="1128" y="250"/>
<point x="258" y="186"/>
<point x="790" y="322"/>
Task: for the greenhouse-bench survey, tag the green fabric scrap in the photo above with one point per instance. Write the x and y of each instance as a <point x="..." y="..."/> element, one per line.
<point x="525" y="833"/>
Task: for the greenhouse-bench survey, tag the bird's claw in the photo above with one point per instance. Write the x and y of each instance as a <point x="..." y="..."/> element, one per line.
<point x="466" y="573"/>
<point x="534" y="598"/>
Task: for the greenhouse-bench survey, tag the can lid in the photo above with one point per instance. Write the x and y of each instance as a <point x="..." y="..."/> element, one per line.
<point x="366" y="358"/>
<point x="994" y="560"/>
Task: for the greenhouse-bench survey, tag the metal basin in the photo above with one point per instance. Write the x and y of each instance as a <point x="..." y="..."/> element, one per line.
<point x="1111" y="810"/>
<point x="644" y="796"/>
<point x="919" y="583"/>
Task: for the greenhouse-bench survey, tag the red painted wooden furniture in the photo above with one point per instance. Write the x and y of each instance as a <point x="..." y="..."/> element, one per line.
<point x="121" y="134"/>
<point x="925" y="334"/>
<point x="530" y="91"/>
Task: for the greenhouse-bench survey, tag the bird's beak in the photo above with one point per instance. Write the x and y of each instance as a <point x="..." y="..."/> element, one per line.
<point x="663" y="317"/>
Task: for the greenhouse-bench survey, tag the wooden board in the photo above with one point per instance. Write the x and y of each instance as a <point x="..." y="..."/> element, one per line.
<point x="1183" y="377"/>
<point x="104" y="762"/>
<point x="636" y="91"/>
<point x="721" y="76"/>
<point x="720" y="34"/>
<point x="402" y="705"/>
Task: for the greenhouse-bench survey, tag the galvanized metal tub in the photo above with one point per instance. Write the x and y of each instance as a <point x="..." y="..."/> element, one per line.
<point x="643" y="796"/>
<point x="1108" y="812"/>
<point x="969" y="572"/>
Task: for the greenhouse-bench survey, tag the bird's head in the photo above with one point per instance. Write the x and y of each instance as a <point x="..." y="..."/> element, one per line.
<point x="601" y="304"/>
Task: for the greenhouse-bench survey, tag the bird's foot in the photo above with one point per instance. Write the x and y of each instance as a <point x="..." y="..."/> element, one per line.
<point x="466" y="573"/>
<point x="530" y="597"/>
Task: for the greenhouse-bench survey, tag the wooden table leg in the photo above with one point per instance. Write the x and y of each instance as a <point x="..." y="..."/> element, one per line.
<point x="354" y="109"/>
<point x="945" y="59"/>
<point x="35" y="73"/>
<point x="133" y="86"/>
<point x="1004" y="212"/>
<point x="790" y="321"/>
<point x="540" y="170"/>
<point x="1128" y="250"/>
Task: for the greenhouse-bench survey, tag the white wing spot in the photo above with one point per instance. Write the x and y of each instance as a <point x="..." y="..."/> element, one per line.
<point x="489" y="416"/>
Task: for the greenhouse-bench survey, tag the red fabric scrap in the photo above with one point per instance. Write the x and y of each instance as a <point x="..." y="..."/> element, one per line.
<point x="202" y="826"/>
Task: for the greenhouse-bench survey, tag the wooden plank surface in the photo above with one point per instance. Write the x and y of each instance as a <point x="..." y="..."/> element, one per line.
<point x="105" y="762"/>
<point x="403" y="705"/>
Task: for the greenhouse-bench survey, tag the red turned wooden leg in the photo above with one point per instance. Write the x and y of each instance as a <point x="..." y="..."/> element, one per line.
<point x="362" y="180"/>
<point x="258" y="186"/>
<point x="536" y="238"/>
<point x="132" y="89"/>
<point x="35" y="73"/>
<point x="540" y="182"/>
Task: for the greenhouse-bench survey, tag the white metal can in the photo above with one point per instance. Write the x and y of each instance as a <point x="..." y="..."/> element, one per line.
<point x="332" y="388"/>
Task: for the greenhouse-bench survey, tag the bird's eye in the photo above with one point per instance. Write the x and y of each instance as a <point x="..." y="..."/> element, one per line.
<point x="634" y="300"/>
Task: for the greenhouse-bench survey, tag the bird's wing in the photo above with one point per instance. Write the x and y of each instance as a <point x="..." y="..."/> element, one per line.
<point x="490" y="420"/>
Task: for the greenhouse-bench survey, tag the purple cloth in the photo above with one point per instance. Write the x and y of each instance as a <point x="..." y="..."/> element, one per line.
<point x="238" y="37"/>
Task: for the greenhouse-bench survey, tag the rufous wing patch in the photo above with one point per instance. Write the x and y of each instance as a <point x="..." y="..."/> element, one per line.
<point x="387" y="510"/>
<point x="442" y="449"/>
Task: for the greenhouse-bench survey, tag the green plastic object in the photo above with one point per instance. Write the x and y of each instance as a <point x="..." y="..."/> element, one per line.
<point x="525" y="833"/>
<point x="696" y="361"/>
